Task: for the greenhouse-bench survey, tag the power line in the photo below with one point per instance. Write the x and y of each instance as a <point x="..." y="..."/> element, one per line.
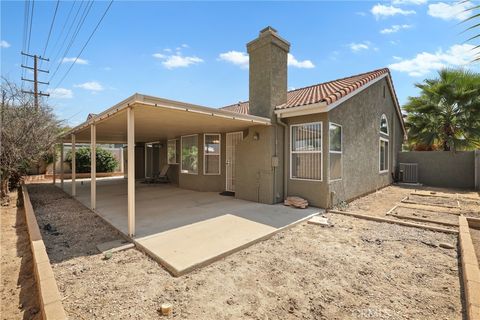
<point x="64" y="25"/>
<point x="85" y="13"/>
<point x="31" y="23"/>
<point x="65" y="39"/>
<point x="86" y="43"/>
<point x="51" y="28"/>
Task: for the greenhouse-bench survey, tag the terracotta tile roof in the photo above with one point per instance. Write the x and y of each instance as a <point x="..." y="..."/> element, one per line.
<point x="327" y="92"/>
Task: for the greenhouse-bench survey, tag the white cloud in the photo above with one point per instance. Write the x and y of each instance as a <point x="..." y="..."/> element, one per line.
<point x="4" y="44"/>
<point x="236" y="57"/>
<point x="425" y="62"/>
<point x="241" y="59"/>
<point x="355" y="47"/>
<point x="305" y="64"/>
<point x="382" y="11"/>
<point x="454" y="11"/>
<point x="91" y="86"/>
<point x="60" y="93"/>
<point x="395" y="28"/>
<point x="79" y="60"/>
<point x="397" y="58"/>
<point x="177" y="60"/>
<point x="417" y="2"/>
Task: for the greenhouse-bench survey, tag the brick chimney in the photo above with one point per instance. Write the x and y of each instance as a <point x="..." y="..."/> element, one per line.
<point x="268" y="72"/>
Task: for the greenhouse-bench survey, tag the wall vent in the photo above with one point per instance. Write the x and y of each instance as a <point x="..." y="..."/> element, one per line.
<point x="408" y="172"/>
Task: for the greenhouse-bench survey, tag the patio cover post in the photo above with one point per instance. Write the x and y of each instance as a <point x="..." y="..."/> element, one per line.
<point x="61" y="165"/>
<point x="54" y="153"/>
<point x="93" y="167"/>
<point x="74" y="167"/>
<point x="131" y="170"/>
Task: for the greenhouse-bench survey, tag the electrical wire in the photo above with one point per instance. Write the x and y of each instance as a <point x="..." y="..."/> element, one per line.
<point x="51" y="28"/>
<point x="86" y="43"/>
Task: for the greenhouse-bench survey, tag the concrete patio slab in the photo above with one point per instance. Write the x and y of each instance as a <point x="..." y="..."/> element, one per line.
<point x="184" y="229"/>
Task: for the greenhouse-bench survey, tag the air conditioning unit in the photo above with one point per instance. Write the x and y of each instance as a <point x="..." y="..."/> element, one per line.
<point x="408" y="172"/>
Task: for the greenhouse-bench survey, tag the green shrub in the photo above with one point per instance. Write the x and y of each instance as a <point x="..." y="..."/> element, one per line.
<point x="106" y="162"/>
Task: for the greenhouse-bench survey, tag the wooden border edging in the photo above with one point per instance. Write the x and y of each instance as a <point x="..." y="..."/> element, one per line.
<point x="470" y="270"/>
<point x="402" y="223"/>
<point x="49" y="297"/>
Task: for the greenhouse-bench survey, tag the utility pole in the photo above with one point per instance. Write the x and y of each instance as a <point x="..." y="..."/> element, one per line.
<point x="35" y="81"/>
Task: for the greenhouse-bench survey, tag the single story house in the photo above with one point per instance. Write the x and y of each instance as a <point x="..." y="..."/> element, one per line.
<point x="327" y="143"/>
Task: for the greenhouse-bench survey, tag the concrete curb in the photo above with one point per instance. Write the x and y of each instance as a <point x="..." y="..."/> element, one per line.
<point x="470" y="270"/>
<point x="50" y="300"/>
<point x="402" y="223"/>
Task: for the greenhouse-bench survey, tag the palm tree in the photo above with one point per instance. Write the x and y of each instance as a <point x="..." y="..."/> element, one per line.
<point x="446" y="115"/>
<point x="476" y="20"/>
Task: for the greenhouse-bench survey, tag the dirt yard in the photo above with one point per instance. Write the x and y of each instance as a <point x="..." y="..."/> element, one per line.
<point x="356" y="269"/>
<point x="18" y="292"/>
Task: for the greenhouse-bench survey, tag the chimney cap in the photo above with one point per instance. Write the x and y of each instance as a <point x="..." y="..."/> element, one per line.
<point x="268" y="29"/>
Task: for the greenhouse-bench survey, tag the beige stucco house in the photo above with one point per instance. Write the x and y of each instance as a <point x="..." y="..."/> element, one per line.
<point x="328" y="142"/>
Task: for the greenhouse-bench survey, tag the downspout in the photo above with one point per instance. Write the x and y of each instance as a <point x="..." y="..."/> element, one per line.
<point x="285" y="156"/>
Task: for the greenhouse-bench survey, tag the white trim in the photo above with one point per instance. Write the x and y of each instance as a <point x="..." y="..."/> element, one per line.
<point x="226" y="141"/>
<point x="386" y="120"/>
<point x="299" y="152"/>
<point x="321" y="107"/>
<point x="176" y="155"/>
<point x="219" y="154"/>
<point x="388" y="155"/>
<point x="336" y="152"/>
<point x="181" y="154"/>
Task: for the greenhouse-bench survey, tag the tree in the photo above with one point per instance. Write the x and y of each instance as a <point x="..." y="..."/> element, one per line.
<point x="446" y="115"/>
<point x="475" y="17"/>
<point x="26" y="134"/>
<point x="105" y="160"/>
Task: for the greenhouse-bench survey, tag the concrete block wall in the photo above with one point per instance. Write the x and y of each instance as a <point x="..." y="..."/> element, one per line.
<point x="443" y="168"/>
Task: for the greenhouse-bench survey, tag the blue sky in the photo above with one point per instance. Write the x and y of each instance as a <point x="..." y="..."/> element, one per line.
<point x="195" y="51"/>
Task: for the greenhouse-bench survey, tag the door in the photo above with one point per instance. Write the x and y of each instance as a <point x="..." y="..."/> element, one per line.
<point x="232" y="139"/>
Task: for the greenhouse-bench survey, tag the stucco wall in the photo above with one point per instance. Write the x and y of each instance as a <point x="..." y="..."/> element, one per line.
<point x="360" y="121"/>
<point x="314" y="191"/>
<point x="443" y="168"/>
<point x="253" y="163"/>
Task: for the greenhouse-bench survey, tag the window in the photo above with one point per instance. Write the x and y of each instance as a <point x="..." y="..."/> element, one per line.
<point x="335" y="138"/>
<point x="172" y="151"/>
<point x="384" y="152"/>
<point x="189" y="148"/>
<point x="211" y="154"/>
<point x="306" y="151"/>
<point x="384" y="124"/>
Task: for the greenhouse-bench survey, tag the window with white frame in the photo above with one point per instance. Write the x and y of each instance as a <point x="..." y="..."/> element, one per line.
<point x="189" y="148"/>
<point x="335" y="148"/>
<point x="384" y="153"/>
<point x="384" y="124"/>
<point x="172" y="151"/>
<point x="383" y="145"/>
<point x="211" y="154"/>
<point x="306" y="151"/>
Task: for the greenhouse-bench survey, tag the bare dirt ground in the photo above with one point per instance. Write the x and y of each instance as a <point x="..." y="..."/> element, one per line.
<point x="356" y="269"/>
<point x="18" y="291"/>
<point x="380" y="202"/>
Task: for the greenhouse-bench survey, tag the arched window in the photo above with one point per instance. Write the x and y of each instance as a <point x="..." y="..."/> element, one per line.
<point x="384" y="124"/>
<point x="383" y="146"/>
